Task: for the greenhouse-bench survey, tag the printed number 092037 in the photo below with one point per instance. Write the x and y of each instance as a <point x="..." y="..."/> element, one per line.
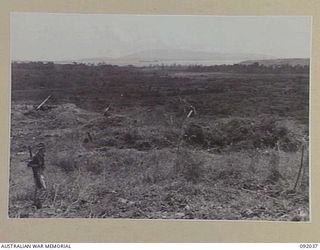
<point x="308" y="245"/>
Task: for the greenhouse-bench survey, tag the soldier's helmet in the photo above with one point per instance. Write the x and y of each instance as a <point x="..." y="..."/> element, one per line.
<point x="40" y="146"/>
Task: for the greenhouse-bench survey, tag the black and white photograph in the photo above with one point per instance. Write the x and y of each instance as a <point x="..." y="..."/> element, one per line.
<point x="168" y="117"/>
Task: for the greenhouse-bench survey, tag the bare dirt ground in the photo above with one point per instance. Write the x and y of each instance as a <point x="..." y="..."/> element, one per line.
<point x="149" y="161"/>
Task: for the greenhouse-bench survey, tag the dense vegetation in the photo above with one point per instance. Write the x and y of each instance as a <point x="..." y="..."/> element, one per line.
<point x="223" y="93"/>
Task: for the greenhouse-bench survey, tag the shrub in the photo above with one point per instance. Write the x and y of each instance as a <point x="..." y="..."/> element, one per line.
<point x="95" y="166"/>
<point x="65" y="162"/>
<point x="158" y="166"/>
<point x="188" y="165"/>
<point x="194" y="134"/>
<point x="240" y="133"/>
<point x="131" y="136"/>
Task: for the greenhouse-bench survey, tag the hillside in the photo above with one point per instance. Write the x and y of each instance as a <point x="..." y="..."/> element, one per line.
<point x="171" y="56"/>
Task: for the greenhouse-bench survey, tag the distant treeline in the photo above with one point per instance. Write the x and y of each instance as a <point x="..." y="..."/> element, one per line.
<point x="40" y="74"/>
<point x="246" y="68"/>
<point x="234" y="68"/>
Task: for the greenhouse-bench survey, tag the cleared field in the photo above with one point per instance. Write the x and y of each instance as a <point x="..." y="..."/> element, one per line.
<point x="146" y="159"/>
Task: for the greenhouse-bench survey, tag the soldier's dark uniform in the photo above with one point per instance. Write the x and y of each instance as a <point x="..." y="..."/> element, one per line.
<point x="37" y="165"/>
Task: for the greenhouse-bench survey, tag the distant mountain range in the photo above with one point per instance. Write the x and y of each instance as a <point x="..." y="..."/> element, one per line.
<point x="171" y="56"/>
<point x="188" y="57"/>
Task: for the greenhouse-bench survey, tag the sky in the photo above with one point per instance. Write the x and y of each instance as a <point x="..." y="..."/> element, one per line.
<point x="44" y="36"/>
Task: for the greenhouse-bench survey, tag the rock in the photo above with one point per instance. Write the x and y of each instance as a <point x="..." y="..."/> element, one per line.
<point x="123" y="201"/>
<point x="296" y="218"/>
<point x="303" y="213"/>
<point x="247" y="213"/>
<point x="21" y="153"/>
<point x="24" y="215"/>
<point x="180" y="215"/>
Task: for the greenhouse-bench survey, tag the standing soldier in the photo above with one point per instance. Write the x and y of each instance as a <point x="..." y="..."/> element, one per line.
<point x="37" y="165"/>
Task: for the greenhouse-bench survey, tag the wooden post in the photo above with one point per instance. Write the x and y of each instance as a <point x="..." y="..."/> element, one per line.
<point x="41" y="104"/>
<point x="180" y="139"/>
<point x="105" y="112"/>
<point x="300" y="169"/>
<point x="190" y="113"/>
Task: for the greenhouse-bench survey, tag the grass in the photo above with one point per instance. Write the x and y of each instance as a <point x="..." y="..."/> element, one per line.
<point x="127" y="182"/>
<point x="142" y="163"/>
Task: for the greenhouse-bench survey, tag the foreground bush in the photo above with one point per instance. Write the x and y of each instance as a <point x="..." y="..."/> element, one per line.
<point x="188" y="165"/>
<point x="239" y="133"/>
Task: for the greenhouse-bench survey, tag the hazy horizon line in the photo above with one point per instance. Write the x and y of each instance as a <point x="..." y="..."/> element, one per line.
<point x="268" y="56"/>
